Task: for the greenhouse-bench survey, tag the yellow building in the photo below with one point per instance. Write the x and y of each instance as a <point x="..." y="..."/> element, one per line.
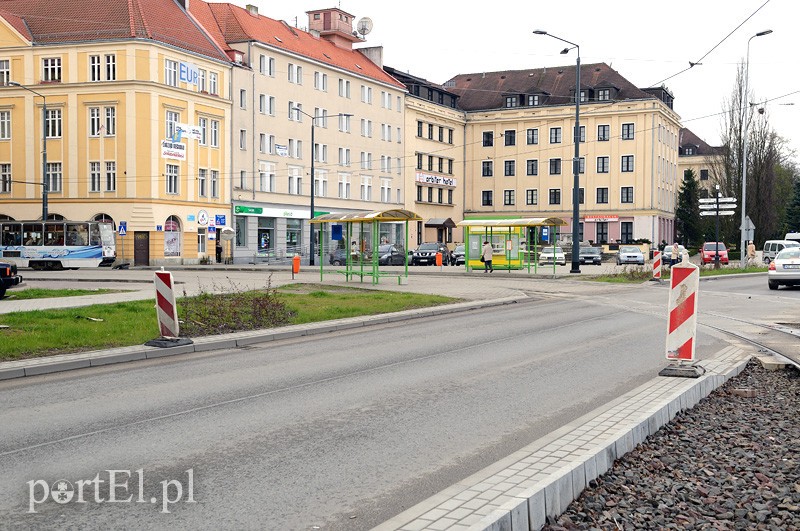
<point x="115" y="101"/>
<point x="698" y="156"/>
<point x="519" y="147"/>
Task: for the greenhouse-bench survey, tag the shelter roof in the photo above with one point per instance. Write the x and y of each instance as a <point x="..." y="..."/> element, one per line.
<point x="513" y="222"/>
<point x="396" y="214"/>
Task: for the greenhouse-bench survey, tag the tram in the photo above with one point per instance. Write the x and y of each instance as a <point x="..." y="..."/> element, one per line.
<point x="57" y="244"/>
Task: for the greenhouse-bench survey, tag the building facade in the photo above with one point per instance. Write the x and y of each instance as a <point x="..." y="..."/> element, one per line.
<point x="696" y="155"/>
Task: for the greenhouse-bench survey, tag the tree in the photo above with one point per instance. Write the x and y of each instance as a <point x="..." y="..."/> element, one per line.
<point x="793" y="210"/>
<point x="687" y="212"/>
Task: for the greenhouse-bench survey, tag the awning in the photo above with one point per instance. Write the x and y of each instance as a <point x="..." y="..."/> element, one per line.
<point x="514" y="222"/>
<point x="441" y="222"/>
<point x="396" y="214"/>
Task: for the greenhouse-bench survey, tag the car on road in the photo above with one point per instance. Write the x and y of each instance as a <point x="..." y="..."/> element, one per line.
<point x="773" y="247"/>
<point x="630" y="254"/>
<point x="458" y="257"/>
<point x="591" y="255"/>
<point x="8" y="277"/>
<point x="390" y="254"/>
<point x="784" y="270"/>
<point x="666" y="256"/>
<point x="339" y="257"/>
<point x="711" y="250"/>
<point x="426" y="254"/>
<point x="552" y="254"/>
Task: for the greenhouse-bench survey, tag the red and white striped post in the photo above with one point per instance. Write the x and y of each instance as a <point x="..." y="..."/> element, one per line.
<point x="166" y="309"/>
<point x="657" y="265"/>
<point x="682" y="328"/>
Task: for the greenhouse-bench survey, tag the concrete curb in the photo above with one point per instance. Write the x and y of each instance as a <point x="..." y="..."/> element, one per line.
<point x="539" y="481"/>
<point x="67" y="362"/>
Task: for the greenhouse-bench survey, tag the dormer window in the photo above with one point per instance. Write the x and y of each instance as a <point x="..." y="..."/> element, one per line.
<point x="688" y="151"/>
<point x="511" y="101"/>
<point x="603" y="94"/>
<point x="534" y="100"/>
<point x="584" y="96"/>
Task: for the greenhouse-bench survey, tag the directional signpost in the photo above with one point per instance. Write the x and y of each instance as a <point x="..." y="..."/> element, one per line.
<point x="717" y="206"/>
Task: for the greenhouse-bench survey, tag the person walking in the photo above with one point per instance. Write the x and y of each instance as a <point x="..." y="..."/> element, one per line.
<point x="486" y="254"/>
<point x="751" y="253"/>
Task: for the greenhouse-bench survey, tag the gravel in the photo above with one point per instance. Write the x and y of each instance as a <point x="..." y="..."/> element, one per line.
<point x="731" y="462"/>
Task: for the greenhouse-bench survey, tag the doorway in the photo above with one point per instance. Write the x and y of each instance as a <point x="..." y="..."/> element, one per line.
<point x="141" y="248"/>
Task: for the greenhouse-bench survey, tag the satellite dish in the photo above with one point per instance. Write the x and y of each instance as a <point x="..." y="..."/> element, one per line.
<point x="364" y="25"/>
<point x="226" y="233"/>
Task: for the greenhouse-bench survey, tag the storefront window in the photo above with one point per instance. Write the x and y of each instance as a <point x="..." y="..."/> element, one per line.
<point x="172" y="236"/>
<point x="201" y="241"/>
<point x="266" y="232"/>
<point x="293" y="237"/>
<point x="241" y="231"/>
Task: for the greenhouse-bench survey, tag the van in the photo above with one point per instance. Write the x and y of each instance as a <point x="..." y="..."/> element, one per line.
<point x="793" y="236"/>
<point x="773" y="247"/>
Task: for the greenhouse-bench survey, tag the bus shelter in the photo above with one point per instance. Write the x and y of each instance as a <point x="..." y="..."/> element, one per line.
<point x="356" y="239"/>
<point x="515" y="241"/>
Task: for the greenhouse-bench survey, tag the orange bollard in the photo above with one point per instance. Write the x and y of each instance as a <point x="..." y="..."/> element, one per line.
<point x="439" y="259"/>
<point x="296" y="264"/>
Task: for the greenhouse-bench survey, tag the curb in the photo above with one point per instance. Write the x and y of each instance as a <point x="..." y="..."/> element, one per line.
<point x="67" y="362"/>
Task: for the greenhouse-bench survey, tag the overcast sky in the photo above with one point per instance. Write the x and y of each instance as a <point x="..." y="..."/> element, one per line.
<point x="437" y="39"/>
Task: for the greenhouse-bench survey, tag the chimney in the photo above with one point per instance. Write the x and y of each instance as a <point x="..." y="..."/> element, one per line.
<point x="253" y="10"/>
<point x="374" y="54"/>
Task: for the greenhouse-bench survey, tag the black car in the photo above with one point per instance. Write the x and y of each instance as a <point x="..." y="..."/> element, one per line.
<point x="390" y="254"/>
<point x="8" y="277"/>
<point x="339" y="257"/>
<point x="458" y="257"/>
<point x="591" y="255"/>
<point x="426" y="254"/>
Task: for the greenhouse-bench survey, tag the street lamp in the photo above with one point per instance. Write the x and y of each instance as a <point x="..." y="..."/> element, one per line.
<point x="44" y="145"/>
<point x="310" y="227"/>
<point x="744" y="133"/>
<point x="576" y="186"/>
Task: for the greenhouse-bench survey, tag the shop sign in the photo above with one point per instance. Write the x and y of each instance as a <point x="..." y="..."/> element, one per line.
<point x="606" y="218"/>
<point x="427" y="178"/>
<point x="254" y="211"/>
<point x="173" y="150"/>
<point x="202" y="218"/>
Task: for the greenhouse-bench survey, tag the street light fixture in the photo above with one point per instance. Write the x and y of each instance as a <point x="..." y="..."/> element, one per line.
<point x="576" y="263"/>
<point x="310" y="227"/>
<point x="744" y="133"/>
<point x="44" y="145"/>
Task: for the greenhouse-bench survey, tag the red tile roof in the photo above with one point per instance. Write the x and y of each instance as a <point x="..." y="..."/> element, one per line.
<point x="236" y="24"/>
<point x="69" y="21"/>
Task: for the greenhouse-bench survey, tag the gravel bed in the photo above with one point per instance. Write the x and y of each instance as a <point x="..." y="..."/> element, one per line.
<point x="731" y="462"/>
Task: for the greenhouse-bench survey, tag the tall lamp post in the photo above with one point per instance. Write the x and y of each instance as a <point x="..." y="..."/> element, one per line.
<point x="44" y="145"/>
<point x="310" y="227"/>
<point x="576" y="186"/>
<point x="744" y="133"/>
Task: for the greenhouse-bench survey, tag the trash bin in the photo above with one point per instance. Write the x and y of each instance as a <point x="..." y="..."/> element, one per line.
<point x="296" y="264"/>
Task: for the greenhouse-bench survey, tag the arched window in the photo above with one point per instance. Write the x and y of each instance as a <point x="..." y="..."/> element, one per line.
<point x="172" y="236"/>
<point x="56" y="217"/>
<point x="3" y="217"/>
<point x="105" y="218"/>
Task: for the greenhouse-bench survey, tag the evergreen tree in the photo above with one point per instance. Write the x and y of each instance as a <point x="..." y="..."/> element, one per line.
<point x="687" y="213"/>
<point x="793" y="210"/>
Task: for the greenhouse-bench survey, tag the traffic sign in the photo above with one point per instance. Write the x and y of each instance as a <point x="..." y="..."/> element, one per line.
<point x="123" y="228"/>
<point x="714" y="200"/>
<point x="714" y="213"/>
<point x="714" y="206"/>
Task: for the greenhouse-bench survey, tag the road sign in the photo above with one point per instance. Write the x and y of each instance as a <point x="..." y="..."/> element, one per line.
<point x="714" y="207"/>
<point x="123" y="228"/>
<point x="714" y="213"/>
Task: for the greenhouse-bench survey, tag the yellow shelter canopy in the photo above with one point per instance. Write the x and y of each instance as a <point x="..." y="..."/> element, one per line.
<point x="513" y="222"/>
<point x="381" y="216"/>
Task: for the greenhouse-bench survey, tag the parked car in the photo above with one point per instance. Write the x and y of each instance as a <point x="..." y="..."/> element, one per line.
<point x="339" y="257"/>
<point x="711" y="250"/>
<point x="8" y="277"/>
<point x="784" y="270"/>
<point x="591" y="255"/>
<point x="773" y="247"/>
<point x="666" y="256"/>
<point x="630" y="254"/>
<point x="390" y="254"/>
<point x="426" y="254"/>
<point x="550" y="254"/>
<point x="458" y="257"/>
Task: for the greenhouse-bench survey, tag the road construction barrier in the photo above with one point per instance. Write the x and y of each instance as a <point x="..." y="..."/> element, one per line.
<point x="166" y="309"/>
<point x="656" y="265"/>
<point x="682" y="322"/>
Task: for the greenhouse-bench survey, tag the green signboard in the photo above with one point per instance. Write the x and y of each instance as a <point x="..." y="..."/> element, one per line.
<point x="238" y="209"/>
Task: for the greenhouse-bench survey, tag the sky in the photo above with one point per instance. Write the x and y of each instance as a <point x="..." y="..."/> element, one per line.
<point x="437" y="40"/>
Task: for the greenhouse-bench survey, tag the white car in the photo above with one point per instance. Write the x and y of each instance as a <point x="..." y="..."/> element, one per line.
<point x="785" y="269"/>
<point x="629" y="254"/>
<point x="552" y="254"/>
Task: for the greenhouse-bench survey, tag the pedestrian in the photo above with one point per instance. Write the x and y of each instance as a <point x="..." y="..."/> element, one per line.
<point x="218" y="248"/>
<point x="676" y="255"/>
<point x="751" y="253"/>
<point x="354" y="251"/>
<point x="486" y="254"/>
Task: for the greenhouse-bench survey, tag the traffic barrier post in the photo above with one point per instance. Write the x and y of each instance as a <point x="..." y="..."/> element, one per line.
<point x="657" y="265"/>
<point x="166" y="309"/>
<point x="682" y="320"/>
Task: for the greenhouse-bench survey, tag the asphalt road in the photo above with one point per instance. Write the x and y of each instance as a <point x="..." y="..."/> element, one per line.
<point x="340" y="431"/>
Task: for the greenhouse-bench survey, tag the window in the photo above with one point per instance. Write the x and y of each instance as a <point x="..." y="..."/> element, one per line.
<point x="582" y="165"/>
<point x="419" y="193"/>
<point x="242" y="139"/>
<point x="5" y="178"/>
<point x="533" y="100"/>
<point x="201" y="80"/>
<point x="486" y="198"/>
<point x="94" y="121"/>
<point x="511" y="101"/>
<point x="214" y="183"/>
<point x="441" y="134"/>
<point x="271" y="67"/>
<point x="555" y="196"/>
<point x="703" y="175"/>
<point x="602" y="231"/>
<point x="487" y="168"/>
<point x="344" y="156"/>
<point x="603" y="94"/>
<point x="688" y="151"/>
<point x="366" y="94"/>
<point x="626" y="194"/>
<point x="508" y="197"/>
<point x="5" y="125"/>
<point x="488" y="139"/>
<point x="532" y="196"/>
<point x="266" y="177"/>
<point x="202" y="178"/>
<point x="627" y="163"/>
<point x="555" y="166"/>
<point x="603" y="133"/>
<point x="602" y="164"/>
<point x="366" y="188"/>
<point x="5" y="72"/>
<point x="111" y="67"/>
<point x="203" y="123"/>
<point x="111" y="121"/>
<point x="532" y="136"/>
<point x="51" y="69"/>
<point x="430" y="131"/>
<point x="344" y="123"/>
<point x="581" y="195"/>
<point x="532" y="167"/>
<point x="430" y="163"/>
<point x="212" y="83"/>
<point x="555" y="135"/>
<point x="111" y="176"/>
<point x="582" y="134"/>
<point x="344" y="186"/>
<point x="344" y="88"/>
<point x="53" y="123"/>
<point x="170" y="73"/>
<point x="509" y="168"/>
<point x="430" y="194"/>
<point x="54" y="176"/>
<point x="626" y="231"/>
<point x="94" y="176"/>
<point x="511" y="137"/>
<point x="262" y="64"/>
<point x="627" y="131"/>
<point x="242" y="99"/>
<point x="94" y="68"/>
<point x="602" y="196"/>
<point x="171" y="124"/>
<point x="271" y="106"/>
<point x="172" y="178"/>
<point x="214" y="133"/>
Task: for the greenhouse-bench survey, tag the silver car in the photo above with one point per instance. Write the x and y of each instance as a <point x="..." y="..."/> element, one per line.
<point x="784" y="270"/>
<point x="550" y="255"/>
<point x="628" y="254"/>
